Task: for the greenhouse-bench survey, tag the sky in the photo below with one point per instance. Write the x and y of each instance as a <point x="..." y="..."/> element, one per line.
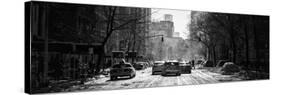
<point x="181" y="18"/>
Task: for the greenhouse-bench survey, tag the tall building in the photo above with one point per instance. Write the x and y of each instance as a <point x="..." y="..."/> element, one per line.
<point x="170" y="47"/>
<point x="165" y="28"/>
<point x="168" y="17"/>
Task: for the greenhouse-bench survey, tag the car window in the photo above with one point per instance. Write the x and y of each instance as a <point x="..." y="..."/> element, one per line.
<point x="127" y="65"/>
<point x="167" y="63"/>
<point x="172" y="63"/>
<point x="181" y="64"/>
<point x="158" y="64"/>
<point x="121" y="65"/>
<point x="176" y="63"/>
<point x="116" y="66"/>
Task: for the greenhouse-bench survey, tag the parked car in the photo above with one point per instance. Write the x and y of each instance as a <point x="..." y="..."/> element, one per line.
<point x="171" y="67"/>
<point x="139" y="65"/>
<point x="185" y="67"/>
<point x="157" y="67"/>
<point x="221" y="63"/>
<point x="120" y="70"/>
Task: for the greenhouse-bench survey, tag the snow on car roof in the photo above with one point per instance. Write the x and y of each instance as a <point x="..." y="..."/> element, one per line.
<point x="159" y="61"/>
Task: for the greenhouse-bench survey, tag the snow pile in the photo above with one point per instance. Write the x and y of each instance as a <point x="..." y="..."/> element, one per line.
<point x="221" y="63"/>
<point x="253" y="75"/>
<point x="229" y="68"/>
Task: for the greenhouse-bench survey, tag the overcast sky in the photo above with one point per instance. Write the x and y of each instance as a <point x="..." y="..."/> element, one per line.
<point x="181" y="18"/>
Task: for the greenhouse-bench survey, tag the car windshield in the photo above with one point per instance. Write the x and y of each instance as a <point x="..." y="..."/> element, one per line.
<point x="158" y="64"/>
<point x="121" y="65"/>
<point x="172" y="63"/>
<point x="182" y="64"/>
<point x="116" y="66"/>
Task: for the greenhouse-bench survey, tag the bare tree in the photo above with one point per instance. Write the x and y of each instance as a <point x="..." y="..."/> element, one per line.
<point x="116" y="21"/>
<point x="230" y="35"/>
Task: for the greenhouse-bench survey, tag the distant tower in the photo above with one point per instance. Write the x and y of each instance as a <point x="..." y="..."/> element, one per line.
<point x="168" y="17"/>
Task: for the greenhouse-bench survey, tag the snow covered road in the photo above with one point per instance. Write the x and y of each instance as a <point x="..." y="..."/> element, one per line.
<point x="144" y="78"/>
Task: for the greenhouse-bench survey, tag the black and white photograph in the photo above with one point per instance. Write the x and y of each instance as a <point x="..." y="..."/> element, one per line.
<point x="72" y="47"/>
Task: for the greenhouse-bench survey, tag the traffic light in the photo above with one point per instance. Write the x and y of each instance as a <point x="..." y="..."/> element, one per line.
<point x="162" y="39"/>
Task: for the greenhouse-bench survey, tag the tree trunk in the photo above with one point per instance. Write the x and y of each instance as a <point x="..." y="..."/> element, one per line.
<point x="232" y="35"/>
<point x="128" y="48"/>
<point x="207" y="53"/>
<point x="134" y="47"/>
<point x="247" y="47"/>
<point x="100" y="60"/>
<point x="109" y="31"/>
<point x="214" y="56"/>
<point x="257" y="57"/>
<point x="232" y="39"/>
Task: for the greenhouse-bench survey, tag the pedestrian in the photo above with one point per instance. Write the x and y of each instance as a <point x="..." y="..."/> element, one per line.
<point x="193" y="64"/>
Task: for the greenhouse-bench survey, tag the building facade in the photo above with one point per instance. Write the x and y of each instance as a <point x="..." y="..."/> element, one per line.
<point x="169" y="48"/>
<point x="67" y="39"/>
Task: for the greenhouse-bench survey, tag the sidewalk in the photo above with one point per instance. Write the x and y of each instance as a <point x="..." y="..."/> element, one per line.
<point x="69" y="85"/>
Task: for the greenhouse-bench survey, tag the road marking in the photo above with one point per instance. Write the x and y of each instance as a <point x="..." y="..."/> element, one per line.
<point x="185" y="80"/>
<point x="208" y="77"/>
<point x="195" y="78"/>
<point x="178" y="80"/>
<point x="151" y="82"/>
<point x="204" y="78"/>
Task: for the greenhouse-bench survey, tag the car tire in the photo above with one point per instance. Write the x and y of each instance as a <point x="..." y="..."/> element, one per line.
<point x="113" y="77"/>
<point x="132" y="76"/>
<point x="179" y="74"/>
